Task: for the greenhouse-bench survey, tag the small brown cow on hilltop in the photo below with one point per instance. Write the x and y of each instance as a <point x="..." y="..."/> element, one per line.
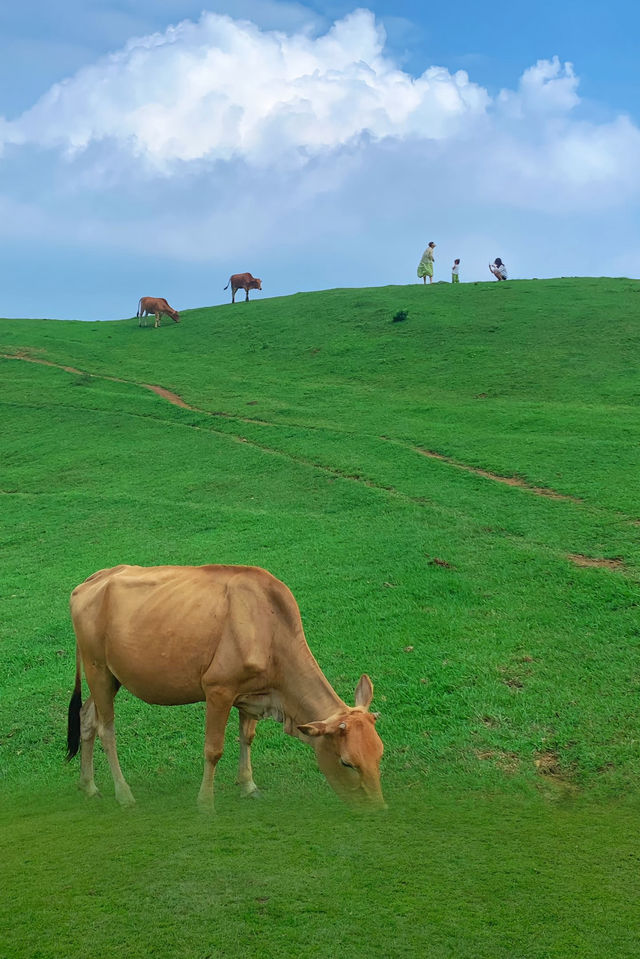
<point x="243" y="281"/>
<point x="158" y="306"/>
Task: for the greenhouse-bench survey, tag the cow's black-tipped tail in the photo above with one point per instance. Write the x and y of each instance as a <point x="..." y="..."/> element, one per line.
<point x="139" y="304"/>
<point x="227" y="286"/>
<point x="73" y="728"/>
<point x="73" y="723"/>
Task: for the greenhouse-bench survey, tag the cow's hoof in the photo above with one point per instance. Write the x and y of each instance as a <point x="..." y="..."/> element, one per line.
<point x="91" y="792"/>
<point x="253" y="794"/>
<point x="124" y="796"/>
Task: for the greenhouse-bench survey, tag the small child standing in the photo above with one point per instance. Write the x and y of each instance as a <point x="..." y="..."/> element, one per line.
<point x="454" y="271"/>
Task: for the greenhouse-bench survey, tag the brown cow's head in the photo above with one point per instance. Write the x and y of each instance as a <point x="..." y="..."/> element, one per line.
<point x="255" y="284"/>
<point x="175" y="316"/>
<point x="349" y="750"/>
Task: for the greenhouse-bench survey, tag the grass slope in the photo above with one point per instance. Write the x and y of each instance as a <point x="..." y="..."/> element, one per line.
<point x="502" y="669"/>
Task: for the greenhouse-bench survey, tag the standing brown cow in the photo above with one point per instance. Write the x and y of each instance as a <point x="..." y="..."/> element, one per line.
<point x="225" y="635"/>
<point x="156" y="305"/>
<point x="243" y="281"/>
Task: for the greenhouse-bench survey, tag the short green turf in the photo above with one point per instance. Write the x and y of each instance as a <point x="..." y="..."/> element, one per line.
<point x="507" y="675"/>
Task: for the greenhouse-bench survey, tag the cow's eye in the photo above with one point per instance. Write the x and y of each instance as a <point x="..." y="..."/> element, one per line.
<point x="348" y="765"/>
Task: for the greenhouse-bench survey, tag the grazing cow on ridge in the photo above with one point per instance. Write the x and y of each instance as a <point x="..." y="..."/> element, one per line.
<point x="243" y="281"/>
<point x="157" y="305"/>
<point x="224" y="635"/>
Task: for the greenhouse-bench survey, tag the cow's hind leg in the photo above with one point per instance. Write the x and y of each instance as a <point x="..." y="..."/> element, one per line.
<point x="104" y="686"/>
<point x="219" y="706"/>
<point x="88" y="730"/>
<point x="245" y="773"/>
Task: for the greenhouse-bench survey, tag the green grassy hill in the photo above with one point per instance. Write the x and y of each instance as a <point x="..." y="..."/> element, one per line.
<point x="452" y="499"/>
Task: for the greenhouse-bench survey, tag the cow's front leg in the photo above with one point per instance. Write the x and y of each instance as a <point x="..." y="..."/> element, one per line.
<point x="247" y="296"/>
<point x="245" y="773"/>
<point x="219" y="705"/>
<point x="157" y="323"/>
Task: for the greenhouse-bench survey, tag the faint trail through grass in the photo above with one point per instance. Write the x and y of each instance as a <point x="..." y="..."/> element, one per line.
<point x="174" y="399"/>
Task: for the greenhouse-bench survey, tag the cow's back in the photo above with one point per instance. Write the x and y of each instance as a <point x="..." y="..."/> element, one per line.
<point x="154" y="304"/>
<point x="160" y="630"/>
<point x="240" y="280"/>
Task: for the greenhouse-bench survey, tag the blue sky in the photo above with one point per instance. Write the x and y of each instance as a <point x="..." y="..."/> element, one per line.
<point x="153" y="147"/>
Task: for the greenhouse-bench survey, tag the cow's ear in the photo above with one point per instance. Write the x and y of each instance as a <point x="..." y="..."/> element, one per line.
<point x="313" y="729"/>
<point x="364" y="692"/>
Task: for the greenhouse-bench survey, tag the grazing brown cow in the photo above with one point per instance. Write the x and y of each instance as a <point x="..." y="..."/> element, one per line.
<point x="243" y="281"/>
<point x="225" y="635"/>
<point x="157" y="305"/>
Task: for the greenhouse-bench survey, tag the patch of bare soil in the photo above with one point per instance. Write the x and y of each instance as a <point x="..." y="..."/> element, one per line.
<point x="507" y="480"/>
<point x="490" y="722"/>
<point x="513" y="676"/>
<point x="600" y="562"/>
<point x="177" y="400"/>
<point x="508" y="762"/>
<point x="548" y="765"/>
<point x="168" y="395"/>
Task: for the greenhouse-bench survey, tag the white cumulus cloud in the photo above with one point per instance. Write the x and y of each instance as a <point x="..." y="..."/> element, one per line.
<point x="222" y="88"/>
<point x="549" y="87"/>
